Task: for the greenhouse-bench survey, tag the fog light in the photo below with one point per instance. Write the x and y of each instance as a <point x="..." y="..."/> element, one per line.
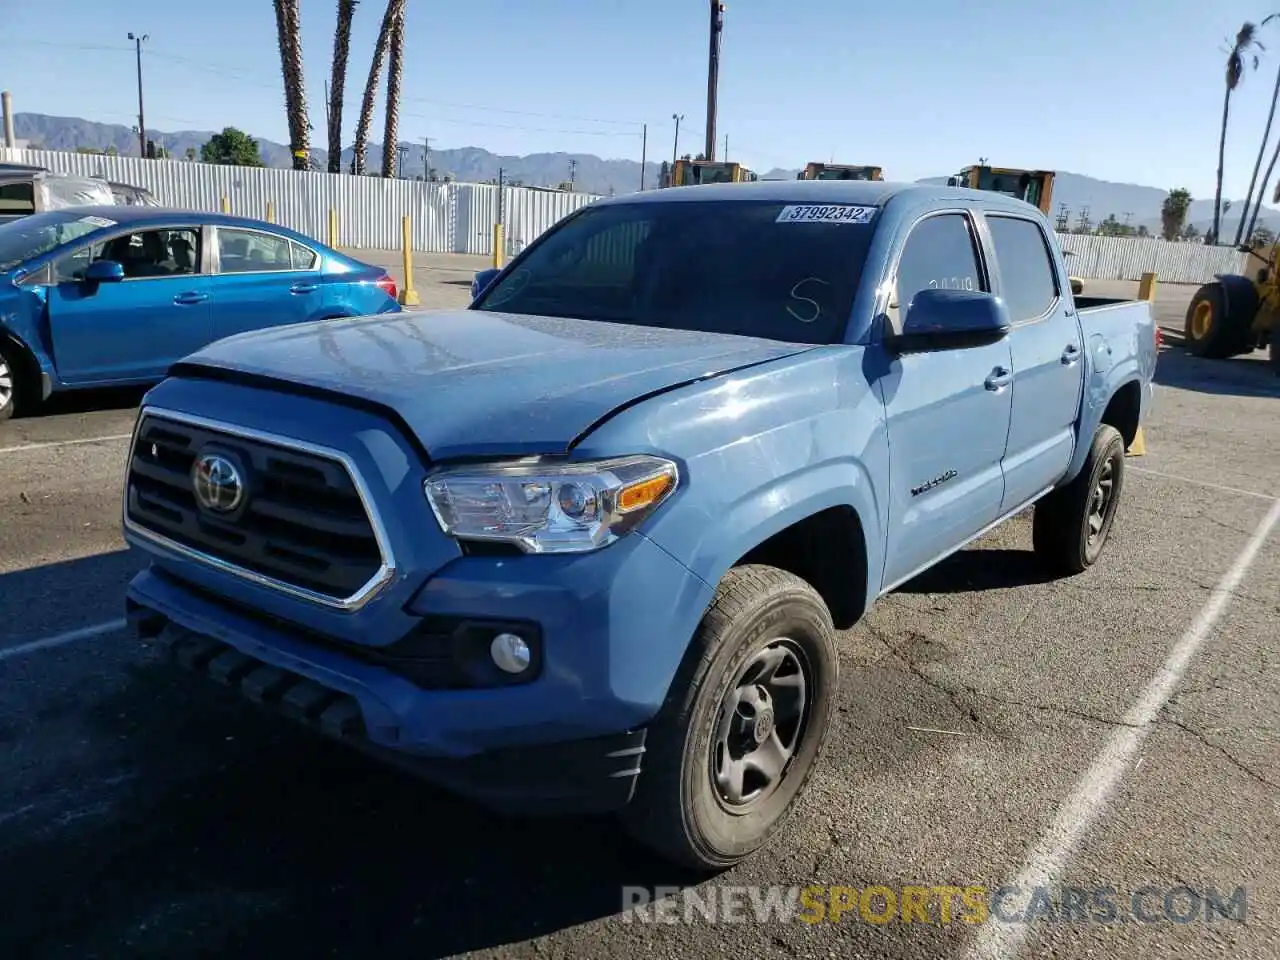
<point x="510" y="653"/>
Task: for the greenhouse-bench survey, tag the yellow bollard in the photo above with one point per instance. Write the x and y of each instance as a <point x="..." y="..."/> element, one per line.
<point x="271" y="212"/>
<point x="1146" y="291"/>
<point x="226" y="204"/>
<point x="408" y="295"/>
<point x="499" y="246"/>
<point x="333" y="227"/>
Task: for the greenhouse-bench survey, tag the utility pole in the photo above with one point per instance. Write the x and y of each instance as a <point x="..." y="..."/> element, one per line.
<point x="713" y="75"/>
<point x="675" y="146"/>
<point x="426" y="159"/>
<point x="573" y="172"/>
<point x="726" y="148"/>
<point x="142" y="123"/>
<point x="644" y="151"/>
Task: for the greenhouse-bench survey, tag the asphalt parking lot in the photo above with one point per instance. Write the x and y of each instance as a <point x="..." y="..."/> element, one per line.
<point x="1120" y="729"/>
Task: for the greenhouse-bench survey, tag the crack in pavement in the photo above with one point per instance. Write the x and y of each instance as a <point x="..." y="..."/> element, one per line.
<point x="1219" y="749"/>
<point x="955" y="695"/>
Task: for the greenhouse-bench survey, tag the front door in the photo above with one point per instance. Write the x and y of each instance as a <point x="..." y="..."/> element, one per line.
<point x="947" y="411"/>
<point x="1047" y="359"/>
<point x="263" y="280"/>
<point x="135" y="328"/>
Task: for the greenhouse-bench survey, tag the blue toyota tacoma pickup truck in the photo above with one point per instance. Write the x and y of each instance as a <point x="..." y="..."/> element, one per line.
<point x="587" y="544"/>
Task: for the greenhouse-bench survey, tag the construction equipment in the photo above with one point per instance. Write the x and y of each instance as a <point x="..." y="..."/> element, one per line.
<point x="1033" y="186"/>
<point x="839" y="171"/>
<point x="1238" y="313"/>
<point x="686" y="172"/>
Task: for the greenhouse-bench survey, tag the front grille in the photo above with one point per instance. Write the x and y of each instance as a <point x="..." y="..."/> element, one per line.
<point x="302" y="523"/>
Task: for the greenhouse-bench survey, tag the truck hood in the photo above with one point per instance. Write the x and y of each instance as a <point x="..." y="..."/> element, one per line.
<point x="474" y="383"/>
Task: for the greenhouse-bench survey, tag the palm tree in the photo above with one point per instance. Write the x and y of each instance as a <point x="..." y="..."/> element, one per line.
<point x="289" y="36"/>
<point x="1262" y="149"/>
<point x="395" y="71"/>
<point x="394" y="10"/>
<point x="1237" y="58"/>
<point x="338" y="81"/>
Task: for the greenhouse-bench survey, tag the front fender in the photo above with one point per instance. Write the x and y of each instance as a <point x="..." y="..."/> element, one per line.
<point x="711" y="543"/>
<point x="21" y="325"/>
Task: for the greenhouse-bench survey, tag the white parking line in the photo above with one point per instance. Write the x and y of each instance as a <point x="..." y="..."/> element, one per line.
<point x="1093" y="791"/>
<point x="59" y="639"/>
<point x="1200" y="483"/>
<point x="54" y="444"/>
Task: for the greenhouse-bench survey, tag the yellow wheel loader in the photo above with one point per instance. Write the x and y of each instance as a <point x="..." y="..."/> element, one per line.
<point x="1238" y="313"/>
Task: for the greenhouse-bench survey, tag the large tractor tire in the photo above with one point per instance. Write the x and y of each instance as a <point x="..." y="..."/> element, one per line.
<point x="1210" y="331"/>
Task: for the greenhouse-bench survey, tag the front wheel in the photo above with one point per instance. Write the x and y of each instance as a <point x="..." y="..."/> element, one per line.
<point x="11" y="384"/>
<point x="744" y="724"/>
<point x="1071" y="525"/>
<point x="1209" y="331"/>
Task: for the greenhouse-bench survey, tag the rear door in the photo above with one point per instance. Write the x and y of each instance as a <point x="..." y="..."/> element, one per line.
<point x="1047" y="349"/>
<point x="135" y="328"/>
<point x="263" y="279"/>
<point x="947" y="410"/>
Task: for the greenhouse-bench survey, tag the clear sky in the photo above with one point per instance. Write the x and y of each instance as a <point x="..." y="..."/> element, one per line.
<point x="1127" y="90"/>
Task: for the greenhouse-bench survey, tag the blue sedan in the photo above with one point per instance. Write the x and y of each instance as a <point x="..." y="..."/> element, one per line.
<point x="111" y="296"/>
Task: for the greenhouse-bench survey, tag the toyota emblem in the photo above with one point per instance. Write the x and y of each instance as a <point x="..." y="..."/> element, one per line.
<point x="216" y="483"/>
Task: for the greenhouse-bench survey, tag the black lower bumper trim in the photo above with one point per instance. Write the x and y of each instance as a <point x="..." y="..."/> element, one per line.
<point x="594" y="775"/>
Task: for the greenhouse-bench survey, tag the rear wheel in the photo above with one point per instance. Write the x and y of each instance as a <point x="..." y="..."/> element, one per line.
<point x="731" y="751"/>
<point x="1209" y="331"/>
<point x="1071" y="525"/>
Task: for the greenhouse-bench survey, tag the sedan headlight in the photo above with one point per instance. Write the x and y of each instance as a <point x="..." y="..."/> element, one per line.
<point x="549" y="507"/>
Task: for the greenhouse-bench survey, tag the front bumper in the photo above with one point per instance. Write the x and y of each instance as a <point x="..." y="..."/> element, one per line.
<point x="584" y="776"/>
<point x="569" y="740"/>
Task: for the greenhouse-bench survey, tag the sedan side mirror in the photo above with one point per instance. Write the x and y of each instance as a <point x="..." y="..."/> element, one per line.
<point x="482" y="280"/>
<point x="104" y="271"/>
<point x="950" y="320"/>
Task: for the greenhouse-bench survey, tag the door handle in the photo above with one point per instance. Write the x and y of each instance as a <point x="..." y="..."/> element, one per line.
<point x="187" y="299"/>
<point x="1071" y="354"/>
<point x="999" y="379"/>
<point x="304" y="288"/>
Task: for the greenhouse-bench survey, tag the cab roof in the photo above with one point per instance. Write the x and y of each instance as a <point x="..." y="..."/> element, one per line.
<point x="870" y="193"/>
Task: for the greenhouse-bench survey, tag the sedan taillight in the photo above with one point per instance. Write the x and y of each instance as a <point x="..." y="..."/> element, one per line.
<point x="388" y="286"/>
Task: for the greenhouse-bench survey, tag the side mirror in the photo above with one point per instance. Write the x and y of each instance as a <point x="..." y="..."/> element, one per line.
<point x="482" y="280"/>
<point x="104" y="271"/>
<point x="951" y="320"/>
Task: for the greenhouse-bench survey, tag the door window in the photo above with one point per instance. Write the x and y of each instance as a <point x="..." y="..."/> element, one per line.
<point x="940" y="253"/>
<point x="146" y="254"/>
<point x="249" y="251"/>
<point x="1028" y="281"/>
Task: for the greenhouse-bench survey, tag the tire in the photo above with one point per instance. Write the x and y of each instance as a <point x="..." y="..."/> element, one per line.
<point x="1209" y="332"/>
<point x="1062" y="533"/>
<point x="12" y="382"/>
<point x="759" y="614"/>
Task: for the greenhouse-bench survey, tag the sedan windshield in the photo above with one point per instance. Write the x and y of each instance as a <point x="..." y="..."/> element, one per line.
<point x="28" y="237"/>
<point x="747" y="267"/>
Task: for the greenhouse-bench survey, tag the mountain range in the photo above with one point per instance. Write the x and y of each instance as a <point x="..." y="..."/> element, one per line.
<point x="592" y="174"/>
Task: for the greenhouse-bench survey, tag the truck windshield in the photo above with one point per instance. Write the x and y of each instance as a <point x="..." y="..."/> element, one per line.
<point x="20" y="240"/>
<point x="752" y="268"/>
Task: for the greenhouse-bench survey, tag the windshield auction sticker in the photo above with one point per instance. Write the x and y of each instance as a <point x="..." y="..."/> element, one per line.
<point x="825" y="213"/>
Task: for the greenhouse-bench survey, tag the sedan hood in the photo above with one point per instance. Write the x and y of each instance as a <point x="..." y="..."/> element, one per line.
<point x="471" y="383"/>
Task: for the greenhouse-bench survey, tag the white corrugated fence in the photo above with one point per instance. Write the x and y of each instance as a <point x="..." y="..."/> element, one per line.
<point x="459" y="217"/>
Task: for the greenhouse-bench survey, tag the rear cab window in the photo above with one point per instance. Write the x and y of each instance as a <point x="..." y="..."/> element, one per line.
<point x="757" y="268"/>
<point x="1028" y="278"/>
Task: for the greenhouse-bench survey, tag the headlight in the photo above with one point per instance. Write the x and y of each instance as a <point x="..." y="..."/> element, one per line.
<point x="544" y="507"/>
